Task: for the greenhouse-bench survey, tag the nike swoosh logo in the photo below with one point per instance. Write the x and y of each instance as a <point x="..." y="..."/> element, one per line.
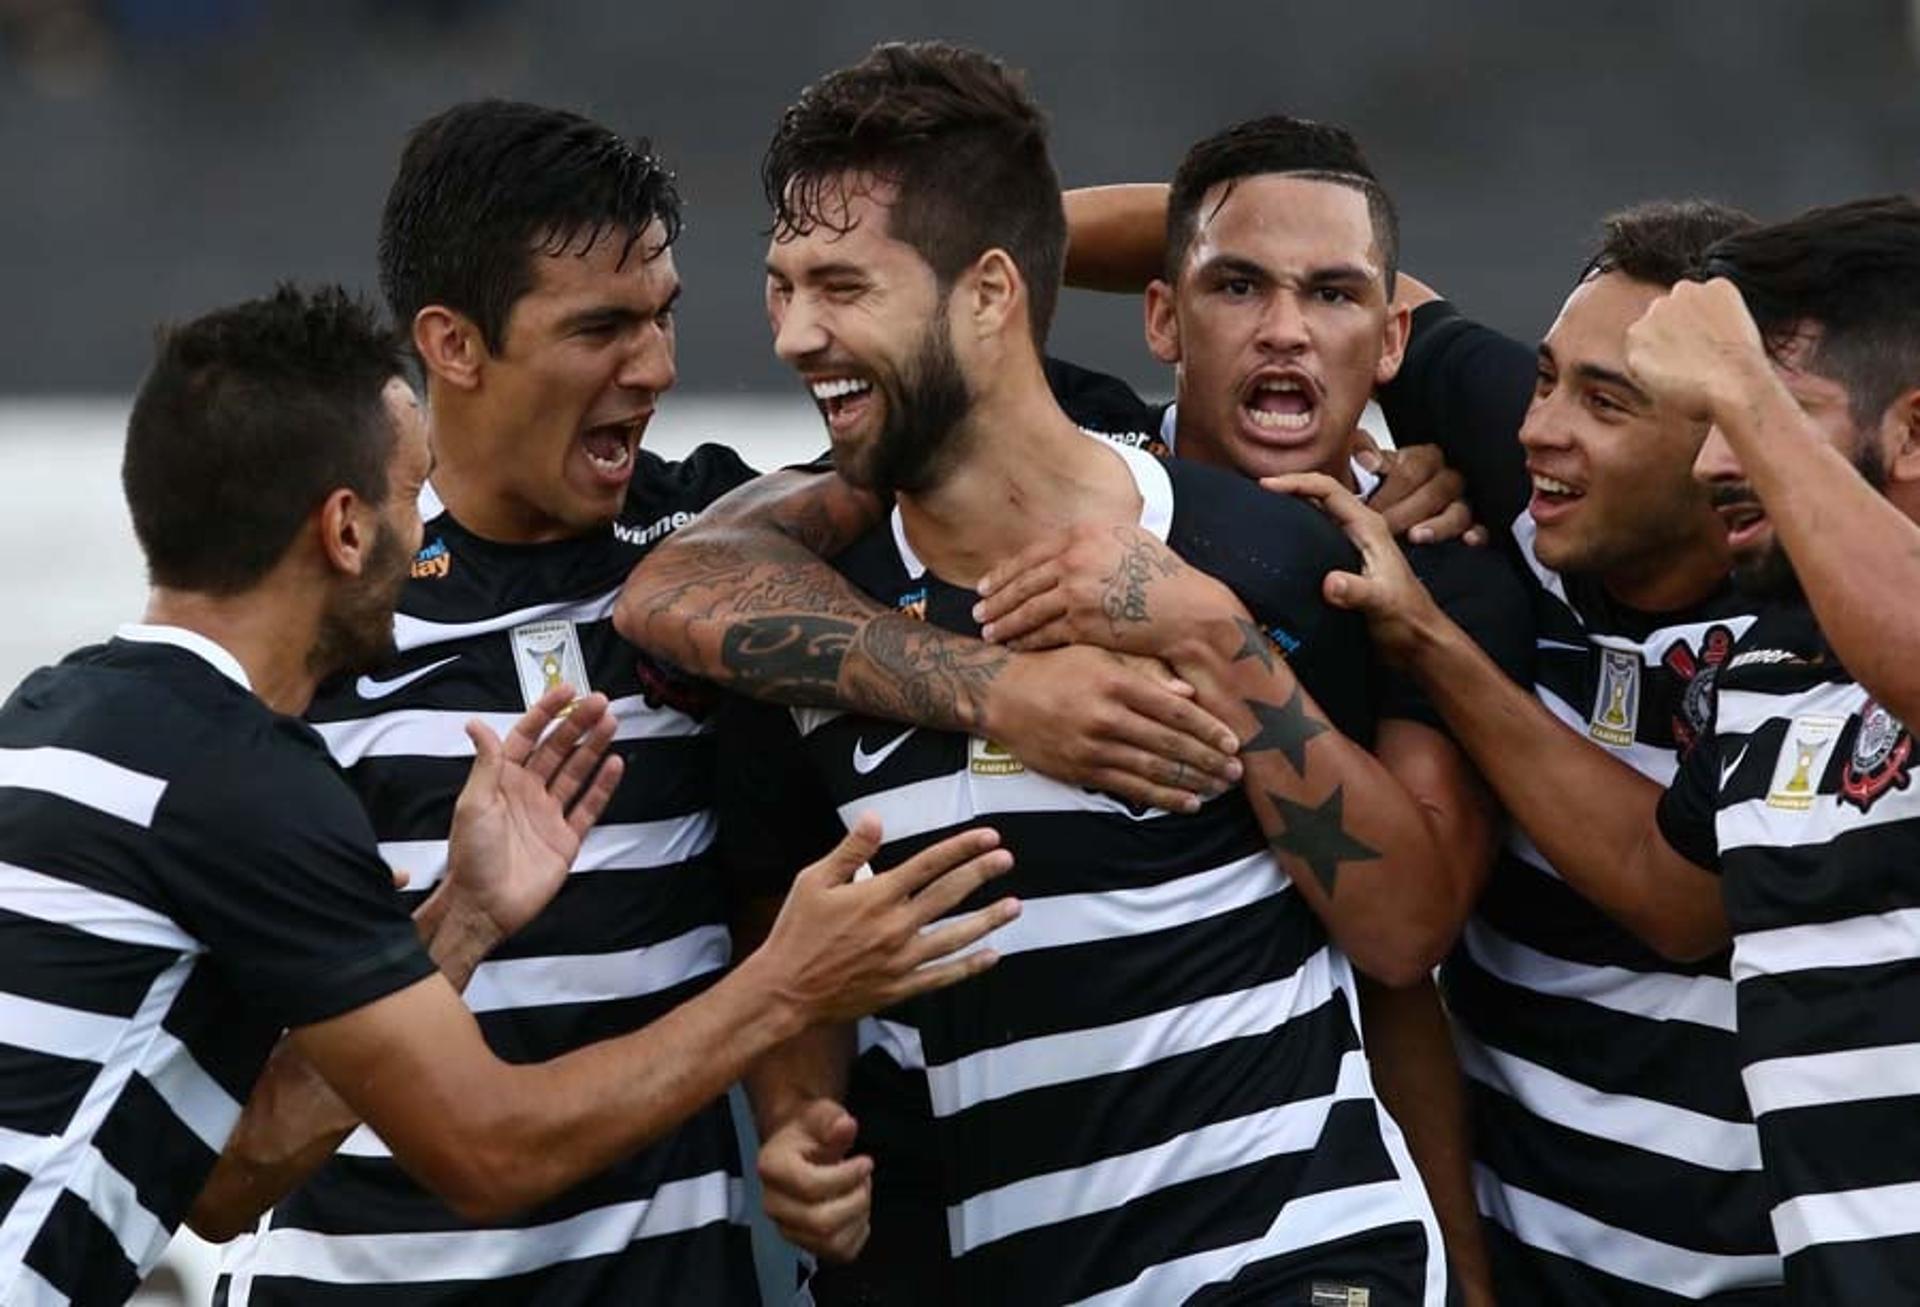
<point x="368" y="688"/>
<point x="864" y="762"/>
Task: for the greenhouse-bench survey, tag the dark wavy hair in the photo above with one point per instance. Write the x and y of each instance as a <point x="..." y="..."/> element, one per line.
<point x="956" y="136"/>
<point x="249" y="417"/>
<point x="486" y="185"/>
<point x="1298" y="147"/>
<point x="1850" y="270"/>
<point x="1662" y="242"/>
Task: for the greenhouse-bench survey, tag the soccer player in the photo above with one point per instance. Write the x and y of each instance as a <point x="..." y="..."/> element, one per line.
<point x="184" y="876"/>
<point x="1064" y="1118"/>
<point x="1794" y="800"/>
<point x="1618" y="1159"/>
<point x="528" y="254"/>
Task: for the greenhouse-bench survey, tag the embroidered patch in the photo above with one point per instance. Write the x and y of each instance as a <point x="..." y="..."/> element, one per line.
<point x="1340" y="1295"/>
<point x="1616" y="707"/>
<point x="986" y="758"/>
<point x="1803" y="761"/>
<point x="547" y="654"/>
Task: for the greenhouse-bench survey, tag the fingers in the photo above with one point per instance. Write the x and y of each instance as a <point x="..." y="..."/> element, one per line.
<point x="1365" y="450"/>
<point x="817" y="1196"/>
<point x="1477" y="536"/>
<point x="1020" y="564"/>
<point x="961" y="934"/>
<point x="850" y="854"/>
<point x="1345" y="590"/>
<point x="1140" y="792"/>
<point x="1362" y="525"/>
<point x="401" y="879"/>
<point x="583" y="759"/>
<point x="1038" y="622"/>
<point x="1172" y="725"/>
<point x="943" y="895"/>
<point x="489" y="756"/>
<point x="1018" y="605"/>
<point x="928" y="865"/>
<point x="926" y="979"/>
<point x="829" y="1130"/>
<point x="593" y="802"/>
<point x="1450" y="523"/>
<point x="525" y="735"/>
<point x="1422" y="503"/>
<point x="579" y="717"/>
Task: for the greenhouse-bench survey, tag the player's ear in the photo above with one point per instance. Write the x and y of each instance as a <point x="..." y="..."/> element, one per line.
<point x="1394" y="348"/>
<point x="994" y="292"/>
<point x="346" y="525"/>
<point x="450" y="346"/>
<point x="1163" y="324"/>
<point x="1900" y="429"/>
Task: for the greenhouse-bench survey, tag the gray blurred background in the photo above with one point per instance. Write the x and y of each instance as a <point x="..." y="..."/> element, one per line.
<point x="162" y="156"/>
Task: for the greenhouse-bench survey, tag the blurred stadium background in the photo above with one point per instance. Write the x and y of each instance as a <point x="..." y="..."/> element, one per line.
<point x="164" y="156"/>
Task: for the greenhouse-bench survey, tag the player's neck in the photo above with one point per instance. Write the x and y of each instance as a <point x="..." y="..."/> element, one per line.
<point x="268" y="631"/>
<point x="1670" y="581"/>
<point x="467" y="462"/>
<point x="1025" y="471"/>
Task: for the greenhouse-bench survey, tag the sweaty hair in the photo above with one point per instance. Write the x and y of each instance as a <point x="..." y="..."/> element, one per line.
<point x="1663" y="241"/>
<point x="486" y="185"/>
<point x="248" y="419"/>
<point x="1297" y="147"/>
<point x="955" y="134"/>
<point x="1852" y="271"/>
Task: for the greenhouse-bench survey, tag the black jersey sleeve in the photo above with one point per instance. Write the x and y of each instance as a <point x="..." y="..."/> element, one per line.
<point x="1484" y="595"/>
<point x="1273" y="551"/>
<point x="1465" y="387"/>
<point x="1686" y="811"/>
<point x="775" y="816"/>
<point x="280" y="878"/>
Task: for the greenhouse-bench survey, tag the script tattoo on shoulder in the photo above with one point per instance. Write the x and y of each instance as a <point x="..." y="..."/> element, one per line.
<point x="1143" y="560"/>
<point x="1317" y="837"/>
<point x="1286" y="727"/>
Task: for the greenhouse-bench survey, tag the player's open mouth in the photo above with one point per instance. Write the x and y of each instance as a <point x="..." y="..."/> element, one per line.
<point x="842" y="400"/>
<point x="1745" y="522"/>
<point x="1551" y="497"/>
<point x="1281" y="407"/>
<point x="609" y="447"/>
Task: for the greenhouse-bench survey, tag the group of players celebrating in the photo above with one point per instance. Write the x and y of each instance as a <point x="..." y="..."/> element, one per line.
<point x="400" y="897"/>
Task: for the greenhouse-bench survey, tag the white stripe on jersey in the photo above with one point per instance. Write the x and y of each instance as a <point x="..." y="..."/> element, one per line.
<point x="1881" y="1212"/>
<point x="84" y="779"/>
<point x="1014" y="1068"/>
<point x="1655" y="995"/>
<point x="1688" y="1272"/>
<point x="1305" y="1222"/>
<point x="491" y="1254"/>
<point x="442" y="732"/>
<point x="106" y="916"/>
<point x="1621" y="1118"/>
<point x="1868" y="941"/>
<point x="25" y="1152"/>
<point x="1743" y="712"/>
<point x="112" y="1198"/>
<point x="1779" y="1084"/>
<point x="1113" y="1182"/>
<point x="142" y="1030"/>
<point x="413" y="632"/>
<point x="953" y="798"/>
<point x="613" y="846"/>
<point x="195" y="1097"/>
<point x="31" y="1290"/>
<point x="1756" y="824"/>
<point x="1655" y="763"/>
<point x="598" y="977"/>
<point x="62" y="1031"/>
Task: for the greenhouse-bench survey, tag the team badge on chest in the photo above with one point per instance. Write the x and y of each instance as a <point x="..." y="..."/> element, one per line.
<point x="546" y="654"/>
<point x="1882" y="750"/>
<point x="1616" y="706"/>
<point x="1803" y="761"/>
<point x="986" y="758"/>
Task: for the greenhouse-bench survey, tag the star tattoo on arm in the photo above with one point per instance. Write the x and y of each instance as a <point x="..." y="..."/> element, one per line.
<point x="1285" y="727"/>
<point x="1254" y="643"/>
<point x="1317" y="837"/>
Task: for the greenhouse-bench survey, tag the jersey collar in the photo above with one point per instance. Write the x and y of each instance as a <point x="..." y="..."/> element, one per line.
<point x="191" y="641"/>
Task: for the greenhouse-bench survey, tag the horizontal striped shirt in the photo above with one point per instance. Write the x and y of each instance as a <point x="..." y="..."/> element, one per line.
<point x="183" y="875"/>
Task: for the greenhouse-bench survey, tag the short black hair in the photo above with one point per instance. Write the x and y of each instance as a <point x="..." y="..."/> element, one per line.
<point x="1853" y="271"/>
<point x="249" y="417"/>
<point x="1277" y="143"/>
<point x="957" y="136"/>
<point x="1662" y="242"/>
<point x="484" y="186"/>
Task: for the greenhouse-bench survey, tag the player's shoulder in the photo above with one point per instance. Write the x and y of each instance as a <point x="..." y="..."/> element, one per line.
<point x="1215" y="510"/>
<point x="685" y="484"/>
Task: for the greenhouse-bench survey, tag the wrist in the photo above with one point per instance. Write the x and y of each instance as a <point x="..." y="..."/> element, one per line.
<point x="452" y="911"/>
<point x="772" y="1006"/>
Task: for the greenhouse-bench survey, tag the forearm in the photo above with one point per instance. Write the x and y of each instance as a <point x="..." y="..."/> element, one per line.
<point x="750" y="604"/>
<point x="1591" y="816"/>
<point x="1355" y="844"/>
<point x="1829" y="519"/>
<point x="1116" y="236"/>
<point x="293" y="1121"/>
<point x="1417" y="1075"/>
<point x="811" y="1066"/>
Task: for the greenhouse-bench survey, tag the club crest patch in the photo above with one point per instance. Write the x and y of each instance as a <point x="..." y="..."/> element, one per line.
<point x="1882" y="752"/>
<point x="1616" y="705"/>
<point x="986" y="758"/>
<point x="1803" y="761"/>
<point x="1696" y="674"/>
<point x="546" y="654"/>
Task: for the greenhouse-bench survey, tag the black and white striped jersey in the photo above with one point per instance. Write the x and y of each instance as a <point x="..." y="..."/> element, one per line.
<point x="1616" y="1158"/>
<point x="641" y="926"/>
<point x="1802" y="792"/>
<point x="183" y="875"/>
<point x="1160" y="1094"/>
